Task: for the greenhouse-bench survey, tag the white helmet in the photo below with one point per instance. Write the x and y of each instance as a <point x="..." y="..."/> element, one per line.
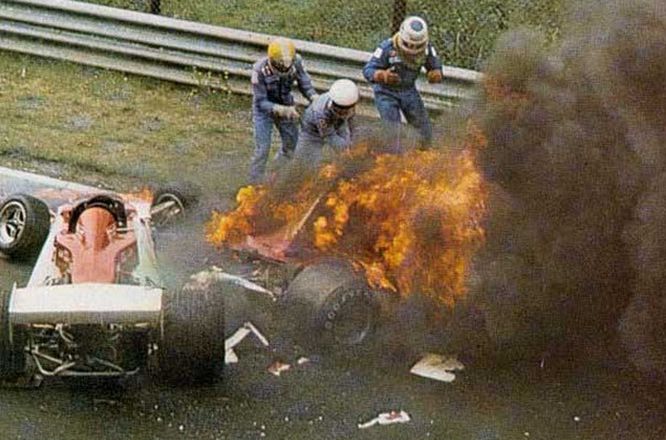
<point x="344" y="93"/>
<point x="413" y="36"/>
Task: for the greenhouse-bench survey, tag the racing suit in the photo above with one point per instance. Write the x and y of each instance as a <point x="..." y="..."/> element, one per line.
<point x="322" y="125"/>
<point x="270" y="88"/>
<point x="403" y="96"/>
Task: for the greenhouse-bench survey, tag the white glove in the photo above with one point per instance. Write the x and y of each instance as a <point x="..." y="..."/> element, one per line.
<point x="285" y="111"/>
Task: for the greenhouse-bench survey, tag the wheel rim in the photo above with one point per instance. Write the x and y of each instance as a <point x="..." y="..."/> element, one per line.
<point x="12" y="222"/>
<point x="350" y="319"/>
<point x="164" y="216"/>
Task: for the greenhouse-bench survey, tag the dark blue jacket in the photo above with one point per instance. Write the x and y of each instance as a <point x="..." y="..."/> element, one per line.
<point x="386" y="56"/>
<point x="269" y="88"/>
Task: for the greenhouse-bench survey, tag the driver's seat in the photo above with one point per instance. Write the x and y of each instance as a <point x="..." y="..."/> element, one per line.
<point x="97" y="240"/>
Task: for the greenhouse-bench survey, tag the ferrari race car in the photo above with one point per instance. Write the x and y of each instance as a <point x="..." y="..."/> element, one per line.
<point x="95" y="304"/>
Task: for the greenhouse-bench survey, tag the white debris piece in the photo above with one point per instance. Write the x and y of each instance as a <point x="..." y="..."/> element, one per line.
<point x="437" y="367"/>
<point x="387" y="418"/>
<point x="230" y="356"/>
<point x="204" y="279"/>
<point x="249" y="285"/>
<point x="278" y="367"/>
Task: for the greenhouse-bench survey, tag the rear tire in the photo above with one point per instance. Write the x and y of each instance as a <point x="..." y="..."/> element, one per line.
<point x="333" y="307"/>
<point x="192" y="346"/>
<point x="24" y="226"/>
<point x="12" y="357"/>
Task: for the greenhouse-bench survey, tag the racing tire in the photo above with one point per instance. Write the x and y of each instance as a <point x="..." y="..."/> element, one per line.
<point x="192" y="342"/>
<point x="12" y="357"/>
<point x="334" y="308"/>
<point x="184" y="198"/>
<point x="24" y="226"/>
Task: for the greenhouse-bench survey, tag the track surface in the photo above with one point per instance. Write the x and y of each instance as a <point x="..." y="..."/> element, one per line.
<point x="326" y="398"/>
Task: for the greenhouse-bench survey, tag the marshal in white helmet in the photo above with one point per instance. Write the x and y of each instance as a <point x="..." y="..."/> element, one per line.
<point x="344" y="96"/>
<point x="327" y="122"/>
<point x="413" y="36"/>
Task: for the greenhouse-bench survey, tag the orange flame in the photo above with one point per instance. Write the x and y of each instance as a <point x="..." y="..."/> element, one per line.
<point x="234" y="226"/>
<point x="412" y="222"/>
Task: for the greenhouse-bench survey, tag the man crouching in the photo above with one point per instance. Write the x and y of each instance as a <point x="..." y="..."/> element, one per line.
<point x="273" y="103"/>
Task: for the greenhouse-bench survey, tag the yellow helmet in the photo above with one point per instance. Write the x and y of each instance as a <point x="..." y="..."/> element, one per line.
<point x="281" y="54"/>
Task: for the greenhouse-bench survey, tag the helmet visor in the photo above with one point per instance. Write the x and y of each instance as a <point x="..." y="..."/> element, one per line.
<point x="341" y="111"/>
<point x="282" y="65"/>
<point x="412" y="47"/>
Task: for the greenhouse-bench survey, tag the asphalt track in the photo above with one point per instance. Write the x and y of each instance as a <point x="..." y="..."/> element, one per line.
<point x="326" y="398"/>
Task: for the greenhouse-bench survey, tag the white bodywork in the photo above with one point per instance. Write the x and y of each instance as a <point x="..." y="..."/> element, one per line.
<point x="87" y="303"/>
<point x="90" y="329"/>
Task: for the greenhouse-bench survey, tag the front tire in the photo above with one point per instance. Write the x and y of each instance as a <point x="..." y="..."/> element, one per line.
<point x="24" y="226"/>
<point x="172" y="202"/>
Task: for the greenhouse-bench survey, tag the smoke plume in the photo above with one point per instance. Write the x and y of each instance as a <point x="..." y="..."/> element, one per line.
<point x="575" y="158"/>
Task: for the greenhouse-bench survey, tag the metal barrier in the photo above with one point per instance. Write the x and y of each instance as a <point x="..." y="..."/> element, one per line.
<point x="184" y="51"/>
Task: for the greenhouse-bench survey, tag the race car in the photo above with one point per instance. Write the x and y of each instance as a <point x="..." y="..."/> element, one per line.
<point x="96" y="304"/>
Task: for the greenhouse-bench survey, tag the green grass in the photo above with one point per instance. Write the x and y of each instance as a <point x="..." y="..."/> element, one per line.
<point x="84" y="122"/>
<point x="93" y="124"/>
<point x="464" y="31"/>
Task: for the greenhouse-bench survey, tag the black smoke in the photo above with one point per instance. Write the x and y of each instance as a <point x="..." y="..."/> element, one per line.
<point x="575" y="160"/>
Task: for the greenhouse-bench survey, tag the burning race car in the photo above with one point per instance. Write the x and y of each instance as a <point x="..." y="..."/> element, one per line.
<point x="96" y="305"/>
<point x="351" y="247"/>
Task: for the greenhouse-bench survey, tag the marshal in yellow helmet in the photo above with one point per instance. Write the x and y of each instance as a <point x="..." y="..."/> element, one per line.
<point x="281" y="54"/>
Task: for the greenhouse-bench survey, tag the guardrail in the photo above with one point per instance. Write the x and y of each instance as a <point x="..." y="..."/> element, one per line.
<point x="183" y="51"/>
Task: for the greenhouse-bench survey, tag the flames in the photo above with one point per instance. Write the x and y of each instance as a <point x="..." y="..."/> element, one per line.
<point x="236" y="225"/>
<point x="412" y="222"/>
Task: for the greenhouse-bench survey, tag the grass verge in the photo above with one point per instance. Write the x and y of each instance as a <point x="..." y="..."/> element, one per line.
<point x="107" y="128"/>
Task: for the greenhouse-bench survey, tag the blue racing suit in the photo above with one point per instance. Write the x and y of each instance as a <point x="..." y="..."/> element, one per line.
<point x="391" y="99"/>
<point x="322" y="125"/>
<point x="269" y="88"/>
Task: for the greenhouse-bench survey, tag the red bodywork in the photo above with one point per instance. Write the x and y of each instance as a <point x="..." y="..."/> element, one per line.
<point x="94" y="247"/>
<point x="283" y="244"/>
